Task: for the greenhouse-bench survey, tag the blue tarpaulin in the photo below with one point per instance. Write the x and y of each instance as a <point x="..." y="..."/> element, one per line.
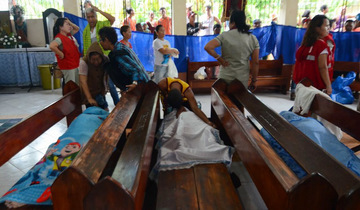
<point x="279" y="40"/>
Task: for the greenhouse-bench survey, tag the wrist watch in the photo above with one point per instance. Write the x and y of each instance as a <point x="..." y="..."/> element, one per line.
<point x="135" y="82"/>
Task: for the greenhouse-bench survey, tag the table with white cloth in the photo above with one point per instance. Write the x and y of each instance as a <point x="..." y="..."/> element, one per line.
<point x="17" y="64"/>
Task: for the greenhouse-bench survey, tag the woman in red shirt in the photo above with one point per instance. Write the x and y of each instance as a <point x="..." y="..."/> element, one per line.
<point x="312" y="58"/>
<point x="130" y="20"/>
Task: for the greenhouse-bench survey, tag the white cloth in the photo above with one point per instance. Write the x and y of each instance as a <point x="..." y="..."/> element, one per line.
<point x="187" y="141"/>
<point x="302" y="104"/>
<point x="209" y="23"/>
<point x="157" y="45"/>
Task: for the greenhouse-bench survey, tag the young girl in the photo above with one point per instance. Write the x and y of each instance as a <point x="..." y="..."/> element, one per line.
<point x="126" y="33"/>
<point x="66" y="49"/>
<point x="130" y="21"/>
<point x="162" y="54"/>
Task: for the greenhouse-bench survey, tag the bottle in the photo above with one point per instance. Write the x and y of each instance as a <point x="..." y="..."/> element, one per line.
<point x="199" y="104"/>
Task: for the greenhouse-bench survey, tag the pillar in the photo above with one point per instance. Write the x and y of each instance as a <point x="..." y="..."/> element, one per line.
<point x="72" y="7"/>
<point x="288" y="12"/>
<point x="178" y="9"/>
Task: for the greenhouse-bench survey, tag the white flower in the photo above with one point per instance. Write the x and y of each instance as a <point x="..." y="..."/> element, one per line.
<point x="11" y="38"/>
<point x="5" y="40"/>
<point x="1" y="39"/>
<point x="8" y="43"/>
<point x="5" y="36"/>
<point x="19" y="37"/>
<point x="14" y="40"/>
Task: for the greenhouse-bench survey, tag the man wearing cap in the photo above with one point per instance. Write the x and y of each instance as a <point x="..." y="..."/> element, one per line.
<point x="257" y="23"/>
<point x="188" y="11"/>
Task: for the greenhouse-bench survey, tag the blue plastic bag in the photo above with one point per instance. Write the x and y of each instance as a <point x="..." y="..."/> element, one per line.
<point x="341" y="91"/>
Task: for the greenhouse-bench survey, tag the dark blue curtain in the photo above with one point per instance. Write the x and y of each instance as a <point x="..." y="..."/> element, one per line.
<point x="276" y="39"/>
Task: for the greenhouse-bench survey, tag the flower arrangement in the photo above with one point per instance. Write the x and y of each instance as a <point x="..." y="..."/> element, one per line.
<point x="9" y="41"/>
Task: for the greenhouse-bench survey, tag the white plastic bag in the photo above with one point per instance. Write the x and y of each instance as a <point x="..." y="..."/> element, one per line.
<point x="172" y="71"/>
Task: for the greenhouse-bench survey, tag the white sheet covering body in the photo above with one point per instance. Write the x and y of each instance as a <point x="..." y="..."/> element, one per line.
<point x="187" y="141"/>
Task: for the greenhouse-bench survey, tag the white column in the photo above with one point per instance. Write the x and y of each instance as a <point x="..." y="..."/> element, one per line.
<point x="72" y="6"/>
<point x="288" y="12"/>
<point x="178" y="8"/>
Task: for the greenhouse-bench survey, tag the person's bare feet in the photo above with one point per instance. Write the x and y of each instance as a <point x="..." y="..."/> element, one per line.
<point x="13" y="204"/>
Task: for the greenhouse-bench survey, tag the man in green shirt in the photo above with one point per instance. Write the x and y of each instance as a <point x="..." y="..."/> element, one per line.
<point x="90" y="33"/>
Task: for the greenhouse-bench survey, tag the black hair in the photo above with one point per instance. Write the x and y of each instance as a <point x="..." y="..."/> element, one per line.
<point x="238" y="17"/>
<point x="174" y="98"/>
<point x="162" y="8"/>
<point x="311" y="35"/>
<point x="323" y="7"/>
<point x="157" y="30"/>
<point x="306" y="13"/>
<point x="217" y="25"/>
<point x="128" y="11"/>
<point x="208" y="7"/>
<point x="59" y="22"/>
<point x="95" y="53"/>
<point x="123" y="29"/>
<point x="109" y="33"/>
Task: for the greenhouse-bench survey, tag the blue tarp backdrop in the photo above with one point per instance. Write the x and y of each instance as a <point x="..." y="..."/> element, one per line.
<point x="279" y="40"/>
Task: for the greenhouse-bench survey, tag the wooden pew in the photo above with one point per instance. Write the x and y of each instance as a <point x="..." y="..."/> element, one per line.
<point x="279" y="187"/>
<point x="350" y="66"/>
<point x="95" y="160"/>
<point x="125" y="188"/>
<point x="206" y="186"/>
<point x="273" y="75"/>
<point x="346" y="119"/>
<point x="19" y="136"/>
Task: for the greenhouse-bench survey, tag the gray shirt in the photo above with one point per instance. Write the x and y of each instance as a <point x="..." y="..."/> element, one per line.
<point x="236" y="48"/>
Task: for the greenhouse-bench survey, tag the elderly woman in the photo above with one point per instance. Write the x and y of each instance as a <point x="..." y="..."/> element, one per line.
<point x="312" y="58"/>
<point x="237" y="45"/>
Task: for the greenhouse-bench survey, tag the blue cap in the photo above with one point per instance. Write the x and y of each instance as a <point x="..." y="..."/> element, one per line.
<point x="357" y="17"/>
<point x="256" y="21"/>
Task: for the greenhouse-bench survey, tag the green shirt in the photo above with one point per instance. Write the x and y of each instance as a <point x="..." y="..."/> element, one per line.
<point x="87" y="36"/>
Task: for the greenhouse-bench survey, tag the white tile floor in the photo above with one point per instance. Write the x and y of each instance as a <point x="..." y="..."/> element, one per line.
<point x="18" y="102"/>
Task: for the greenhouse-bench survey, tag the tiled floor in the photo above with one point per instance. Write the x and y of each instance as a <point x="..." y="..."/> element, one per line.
<point x="17" y="102"/>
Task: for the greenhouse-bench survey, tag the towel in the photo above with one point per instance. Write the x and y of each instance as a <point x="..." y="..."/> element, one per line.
<point x="303" y="101"/>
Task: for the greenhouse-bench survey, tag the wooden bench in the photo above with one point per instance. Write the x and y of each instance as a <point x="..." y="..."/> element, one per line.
<point x="347" y="67"/>
<point x="273" y="75"/>
<point x="313" y="159"/>
<point x="206" y="186"/>
<point x="98" y="159"/>
<point x="279" y="187"/>
<point x="125" y="188"/>
<point x="19" y="136"/>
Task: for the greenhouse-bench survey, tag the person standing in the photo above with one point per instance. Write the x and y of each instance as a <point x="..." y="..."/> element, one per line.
<point x="93" y="78"/>
<point x="192" y="27"/>
<point x="165" y="21"/>
<point x="126" y="33"/>
<point x="162" y="54"/>
<point x="125" y="68"/>
<point x="91" y="31"/>
<point x="130" y="20"/>
<point x="66" y="49"/>
<point x="312" y="58"/>
<point x="91" y="35"/>
<point x="208" y="22"/>
<point x="151" y="22"/>
<point x="237" y="45"/>
<point x="357" y="23"/>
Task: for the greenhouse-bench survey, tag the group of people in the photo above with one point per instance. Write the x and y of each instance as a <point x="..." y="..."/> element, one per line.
<point x="343" y="22"/>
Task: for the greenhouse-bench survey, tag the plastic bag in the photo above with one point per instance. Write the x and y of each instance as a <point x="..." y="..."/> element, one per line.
<point x="172" y="72"/>
<point x="341" y="91"/>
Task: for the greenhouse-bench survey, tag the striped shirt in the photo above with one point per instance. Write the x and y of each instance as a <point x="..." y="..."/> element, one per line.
<point x="128" y="63"/>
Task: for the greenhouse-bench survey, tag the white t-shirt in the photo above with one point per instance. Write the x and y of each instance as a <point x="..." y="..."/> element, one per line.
<point x="157" y="45"/>
<point x="93" y="35"/>
<point x="209" y="23"/>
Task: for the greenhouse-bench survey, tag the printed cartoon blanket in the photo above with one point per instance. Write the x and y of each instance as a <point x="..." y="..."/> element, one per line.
<point x="187" y="141"/>
<point x="34" y="186"/>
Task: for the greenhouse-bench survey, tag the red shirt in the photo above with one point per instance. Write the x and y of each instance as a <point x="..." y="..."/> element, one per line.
<point x="166" y="23"/>
<point x="306" y="64"/>
<point x="126" y="43"/>
<point x="71" y="58"/>
<point x="331" y="44"/>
